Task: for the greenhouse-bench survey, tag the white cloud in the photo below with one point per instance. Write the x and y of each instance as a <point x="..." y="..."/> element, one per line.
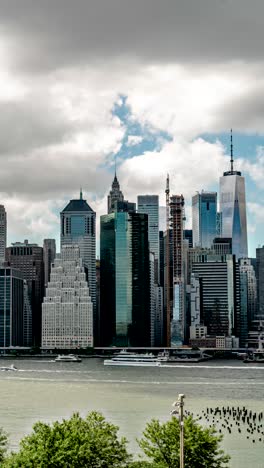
<point x="133" y="140"/>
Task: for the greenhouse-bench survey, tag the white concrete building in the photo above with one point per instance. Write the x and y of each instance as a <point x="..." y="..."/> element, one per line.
<point x="67" y="310"/>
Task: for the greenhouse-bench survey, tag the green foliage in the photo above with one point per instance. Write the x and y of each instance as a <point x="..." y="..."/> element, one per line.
<point x="3" y="444"/>
<point x="74" y="443"/>
<point x="161" y="443"/>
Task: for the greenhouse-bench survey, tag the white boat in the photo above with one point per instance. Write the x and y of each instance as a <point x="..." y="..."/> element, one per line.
<point x="126" y="358"/>
<point x="184" y="355"/>
<point x="67" y="358"/>
<point x="8" y="368"/>
<point x="258" y="354"/>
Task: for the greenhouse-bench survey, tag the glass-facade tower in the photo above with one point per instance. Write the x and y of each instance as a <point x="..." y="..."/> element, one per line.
<point x="149" y="204"/>
<point x="204" y="212"/>
<point x="233" y="209"/>
<point x="78" y="228"/>
<point x="124" y="280"/>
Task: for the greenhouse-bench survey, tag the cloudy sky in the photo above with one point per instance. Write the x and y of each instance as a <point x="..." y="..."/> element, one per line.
<point x="156" y="84"/>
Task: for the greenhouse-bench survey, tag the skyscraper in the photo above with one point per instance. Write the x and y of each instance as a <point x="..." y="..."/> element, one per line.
<point x="233" y="209"/>
<point x="28" y="258"/>
<point x="11" y="307"/>
<point x="49" y="254"/>
<point x="149" y="204"/>
<point x="178" y="318"/>
<point x="2" y="233"/>
<point x="260" y="280"/>
<point x="78" y="228"/>
<point x="67" y="311"/>
<point x="204" y="208"/>
<point x="124" y="279"/>
<point x="114" y="196"/>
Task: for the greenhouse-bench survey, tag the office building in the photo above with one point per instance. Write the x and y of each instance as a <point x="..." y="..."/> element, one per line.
<point x="149" y="204"/>
<point x="3" y="228"/>
<point x="220" y="300"/>
<point x="28" y="258"/>
<point x="78" y="226"/>
<point x="178" y="316"/>
<point x="188" y="235"/>
<point x="125" y="280"/>
<point x="204" y="208"/>
<point x="233" y="209"/>
<point x="247" y="268"/>
<point x="11" y="307"/>
<point x="115" y="195"/>
<point x="67" y="311"/>
<point x="49" y="254"/>
<point x="260" y="280"/>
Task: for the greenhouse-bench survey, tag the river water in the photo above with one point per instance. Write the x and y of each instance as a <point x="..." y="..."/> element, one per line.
<point x="129" y="396"/>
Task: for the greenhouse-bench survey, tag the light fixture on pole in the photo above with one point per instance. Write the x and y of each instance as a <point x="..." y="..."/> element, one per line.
<point x="178" y="412"/>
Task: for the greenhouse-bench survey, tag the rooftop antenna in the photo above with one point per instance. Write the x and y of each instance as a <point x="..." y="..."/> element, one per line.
<point x="231" y="151"/>
<point x="81" y="194"/>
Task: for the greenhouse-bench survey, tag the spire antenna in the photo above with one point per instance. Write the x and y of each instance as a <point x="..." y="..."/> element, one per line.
<point x="115" y="165"/>
<point x="231" y="152"/>
<point x="81" y="194"/>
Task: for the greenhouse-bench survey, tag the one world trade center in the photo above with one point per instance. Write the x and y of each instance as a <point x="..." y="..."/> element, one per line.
<point x="233" y="209"/>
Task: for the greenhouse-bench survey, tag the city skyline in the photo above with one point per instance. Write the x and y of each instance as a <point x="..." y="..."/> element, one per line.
<point x="171" y="95"/>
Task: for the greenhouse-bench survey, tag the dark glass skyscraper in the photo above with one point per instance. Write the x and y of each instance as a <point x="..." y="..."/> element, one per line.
<point x="28" y="258"/>
<point x="125" y="280"/>
<point x="204" y="208"/>
<point x="11" y="307"/>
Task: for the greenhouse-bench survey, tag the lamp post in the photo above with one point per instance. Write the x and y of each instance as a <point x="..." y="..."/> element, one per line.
<point x="179" y="411"/>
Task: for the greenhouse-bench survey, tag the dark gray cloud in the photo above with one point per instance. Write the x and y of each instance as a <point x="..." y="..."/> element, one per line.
<point x="57" y="33"/>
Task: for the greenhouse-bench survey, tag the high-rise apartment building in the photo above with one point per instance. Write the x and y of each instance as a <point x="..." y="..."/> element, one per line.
<point x="124" y="280"/>
<point x="49" y="254"/>
<point x="11" y="307"/>
<point x="149" y="204"/>
<point x="204" y="209"/>
<point x="67" y="311"/>
<point x="28" y="258"/>
<point x="78" y="226"/>
<point x="233" y="209"/>
<point x="3" y="228"/>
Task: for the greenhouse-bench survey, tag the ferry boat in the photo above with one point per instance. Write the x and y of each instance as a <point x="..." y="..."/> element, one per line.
<point x="126" y="358"/>
<point x="67" y="358"/>
<point x="184" y="355"/>
<point x="8" y="368"/>
<point x="258" y="354"/>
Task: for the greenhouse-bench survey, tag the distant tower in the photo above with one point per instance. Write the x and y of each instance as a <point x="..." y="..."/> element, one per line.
<point x="2" y="233"/>
<point x="204" y="208"/>
<point x="233" y="209"/>
<point x="78" y="228"/>
<point x="149" y="204"/>
<point x="178" y="319"/>
<point x="49" y="254"/>
<point x="115" y="195"/>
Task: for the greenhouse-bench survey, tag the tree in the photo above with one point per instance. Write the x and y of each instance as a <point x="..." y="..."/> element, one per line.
<point x="3" y="444"/>
<point x="161" y="443"/>
<point x="74" y="443"/>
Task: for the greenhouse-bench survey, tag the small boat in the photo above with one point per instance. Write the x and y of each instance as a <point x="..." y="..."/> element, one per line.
<point x="8" y="368"/>
<point x="184" y="355"/>
<point x="126" y="358"/>
<point x="67" y="358"/>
